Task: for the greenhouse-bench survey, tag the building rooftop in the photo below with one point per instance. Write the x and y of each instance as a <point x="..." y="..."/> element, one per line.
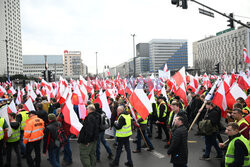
<point x="39" y="59"/>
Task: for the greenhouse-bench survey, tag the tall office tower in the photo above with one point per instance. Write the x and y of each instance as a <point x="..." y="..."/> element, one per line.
<point x="11" y="60"/>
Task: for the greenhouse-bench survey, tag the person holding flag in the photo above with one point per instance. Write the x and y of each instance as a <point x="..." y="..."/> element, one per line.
<point x="3" y="128"/>
<point x="141" y="132"/>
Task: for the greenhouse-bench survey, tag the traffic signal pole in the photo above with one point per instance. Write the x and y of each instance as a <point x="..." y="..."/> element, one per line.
<point x="223" y="14"/>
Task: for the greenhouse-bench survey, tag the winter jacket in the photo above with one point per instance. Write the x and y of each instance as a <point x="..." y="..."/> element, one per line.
<point x="178" y="146"/>
<point x="66" y="126"/>
<point x="50" y="135"/>
<point x="90" y="130"/>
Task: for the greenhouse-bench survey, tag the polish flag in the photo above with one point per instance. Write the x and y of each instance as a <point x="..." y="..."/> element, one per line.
<point x="247" y="101"/>
<point x="141" y="103"/>
<point x="64" y="96"/>
<point x="12" y="107"/>
<point x="227" y="83"/>
<point x="220" y="100"/>
<point x="180" y="76"/>
<point x="233" y="78"/>
<point x="234" y="93"/>
<point x="70" y="116"/>
<point x="2" y="89"/>
<point x="181" y="92"/>
<point x="171" y="84"/>
<point x="11" y="91"/>
<point x="133" y="115"/>
<point x="19" y="97"/>
<point x="245" y="56"/>
<point x="105" y="105"/>
<point x="163" y="92"/>
<point x="243" y="81"/>
<point x="118" y="76"/>
<point x="28" y="105"/>
<point x="165" y="68"/>
<point x="151" y="97"/>
<point x="4" y="114"/>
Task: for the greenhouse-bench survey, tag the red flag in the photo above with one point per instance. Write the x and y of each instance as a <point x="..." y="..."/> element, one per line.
<point x="245" y="56"/>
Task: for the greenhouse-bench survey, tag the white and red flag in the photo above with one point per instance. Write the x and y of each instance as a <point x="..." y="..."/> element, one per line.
<point x="141" y="103"/>
<point x="180" y="77"/>
<point x="12" y="107"/>
<point x="70" y="116"/>
<point x="245" y="56"/>
<point x="234" y="93"/>
<point x="19" y="97"/>
<point x="181" y="92"/>
<point x="28" y="105"/>
<point x="220" y="100"/>
<point x="11" y="90"/>
<point x="165" y="68"/>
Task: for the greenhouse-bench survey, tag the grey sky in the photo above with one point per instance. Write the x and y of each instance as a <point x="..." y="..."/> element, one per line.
<point x="52" y="26"/>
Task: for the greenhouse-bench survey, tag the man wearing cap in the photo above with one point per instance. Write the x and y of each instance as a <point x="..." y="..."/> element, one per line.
<point x="50" y="136"/>
<point x="33" y="134"/>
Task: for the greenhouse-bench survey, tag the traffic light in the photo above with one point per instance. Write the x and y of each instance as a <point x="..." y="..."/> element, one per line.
<point x="44" y="75"/>
<point x="184" y="4"/>
<point x="177" y="3"/>
<point x="50" y="76"/>
<point x="217" y="68"/>
<point x="231" y="22"/>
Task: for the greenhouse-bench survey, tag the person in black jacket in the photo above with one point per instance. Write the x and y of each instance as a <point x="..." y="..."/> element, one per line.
<point x="50" y="135"/>
<point x="178" y="146"/>
<point x="41" y="113"/>
<point x="88" y="137"/>
<point x="210" y="140"/>
<point x="101" y="138"/>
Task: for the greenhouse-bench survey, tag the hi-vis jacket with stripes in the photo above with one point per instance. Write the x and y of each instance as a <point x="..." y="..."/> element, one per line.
<point x="33" y="130"/>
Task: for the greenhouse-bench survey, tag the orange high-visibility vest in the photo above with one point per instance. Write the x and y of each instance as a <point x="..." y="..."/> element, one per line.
<point x="33" y="130"/>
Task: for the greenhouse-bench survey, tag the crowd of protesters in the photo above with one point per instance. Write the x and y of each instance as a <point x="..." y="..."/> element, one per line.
<point x="37" y="129"/>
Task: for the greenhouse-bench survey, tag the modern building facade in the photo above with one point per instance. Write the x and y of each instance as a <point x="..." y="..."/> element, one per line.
<point x="73" y="66"/>
<point x="142" y="65"/>
<point x="34" y="65"/>
<point x="142" y="50"/>
<point x="174" y="52"/>
<point x="225" y="48"/>
<point x="11" y="60"/>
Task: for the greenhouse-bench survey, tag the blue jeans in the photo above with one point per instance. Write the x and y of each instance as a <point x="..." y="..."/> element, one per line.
<point x="123" y="141"/>
<point x="22" y="146"/>
<point x="211" y="141"/>
<point x="54" y="155"/>
<point x="139" y="139"/>
<point x="115" y="135"/>
<point x="104" y="142"/>
<point x="67" y="152"/>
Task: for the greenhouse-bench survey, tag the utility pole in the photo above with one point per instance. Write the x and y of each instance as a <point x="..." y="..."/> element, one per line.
<point x="133" y="35"/>
<point x="96" y="63"/>
<point x="7" y="60"/>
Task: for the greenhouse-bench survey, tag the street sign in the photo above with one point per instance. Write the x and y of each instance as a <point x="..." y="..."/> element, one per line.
<point x="205" y="12"/>
<point x="224" y="31"/>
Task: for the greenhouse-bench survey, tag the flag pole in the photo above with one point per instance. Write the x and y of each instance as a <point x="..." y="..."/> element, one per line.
<point x="197" y="115"/>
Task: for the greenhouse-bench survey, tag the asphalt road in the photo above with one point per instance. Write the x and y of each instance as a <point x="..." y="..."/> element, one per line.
<point x="156" y="158"/>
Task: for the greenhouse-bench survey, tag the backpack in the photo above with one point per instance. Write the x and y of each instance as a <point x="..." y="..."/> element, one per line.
<point x="105" y="122"/>
<point x="61" y="138"/>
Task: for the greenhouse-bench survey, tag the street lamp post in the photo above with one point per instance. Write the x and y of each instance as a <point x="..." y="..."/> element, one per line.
<point x="133" y="35"/>
<point x="96" y="63"/>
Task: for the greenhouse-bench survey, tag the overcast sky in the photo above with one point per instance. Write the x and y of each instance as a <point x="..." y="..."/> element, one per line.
<point x="105" y="26"/>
